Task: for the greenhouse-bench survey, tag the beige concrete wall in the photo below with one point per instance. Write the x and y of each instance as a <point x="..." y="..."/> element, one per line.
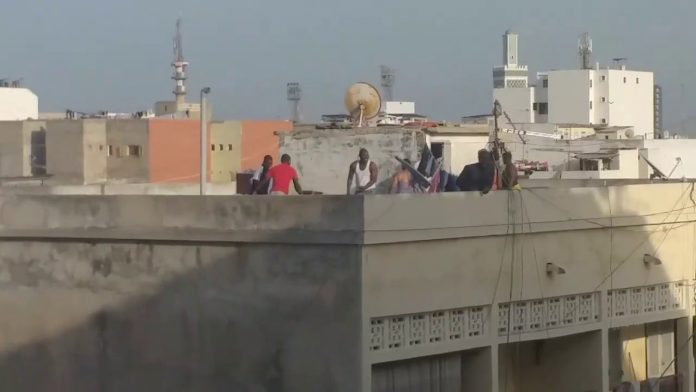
<point x="34" y="148"/>
<point x="95" y="151"/>
<point x="125" y="139"/>
<point x="65" y="153"/>
<point x="225" y="151"/>
<point x="116" y="189"/>
<point x="322" y="157"/>
<point x="142" y="314"/>
<point x="568" y="363"/>
<point x="430" y="274"/>
<point x="11" y="149"/>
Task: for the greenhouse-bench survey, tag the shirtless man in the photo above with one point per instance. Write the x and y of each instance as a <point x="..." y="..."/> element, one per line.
<point x="365" y="172"/>
<point x="403" y="180"/>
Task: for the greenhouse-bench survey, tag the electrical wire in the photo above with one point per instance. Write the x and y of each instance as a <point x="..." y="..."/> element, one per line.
<point x="534" y="252"/>
<point x="570" y="220"/>
<point x="512" y="277"/>
<point x="640" y="245"/>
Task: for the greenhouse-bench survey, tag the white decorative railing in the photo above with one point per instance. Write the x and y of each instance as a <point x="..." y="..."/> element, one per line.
<point x="395" y="332"/>
<point x="555" y="312"/>
<point x="644" y="300"/>
<point x="465" y="324"/>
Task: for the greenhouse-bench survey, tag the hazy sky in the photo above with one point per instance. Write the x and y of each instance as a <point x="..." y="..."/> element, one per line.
<point x="93" y="54"/>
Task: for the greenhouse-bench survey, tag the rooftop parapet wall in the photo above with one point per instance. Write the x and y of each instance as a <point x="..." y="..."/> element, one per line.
<point x="470" y="214"/>
<point x="342" y="219"/>
<point x="306" y="219"/>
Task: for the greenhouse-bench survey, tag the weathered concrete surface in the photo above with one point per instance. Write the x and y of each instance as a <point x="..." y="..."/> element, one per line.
<point x="180" y="189"/>
<point x="154" y="317"/>
<point x="100" y="304"/>
<point x="248" y="293"/>
<point x="306" y="219"/>
<point x="322" y="157"/>
<point x="120" y="165"/>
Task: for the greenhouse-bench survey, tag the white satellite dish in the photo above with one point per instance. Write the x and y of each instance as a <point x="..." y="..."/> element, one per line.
<point x="363" y="102"/>
<point x="630" y="133"/>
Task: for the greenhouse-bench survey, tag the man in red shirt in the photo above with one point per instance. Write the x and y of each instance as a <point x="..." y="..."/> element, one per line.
<point x="282" y="175"/>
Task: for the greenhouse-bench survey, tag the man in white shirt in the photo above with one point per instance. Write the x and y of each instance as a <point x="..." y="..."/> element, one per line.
<point x="365" y="173"/>
<point x="260" y="175"/>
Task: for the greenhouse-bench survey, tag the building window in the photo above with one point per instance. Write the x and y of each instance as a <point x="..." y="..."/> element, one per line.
<point x="590" y="104"/>
<point x="101" y="147"/>
<point x="543" y="108"/>
<point x="110" y="151"/>
<point x="604" y="77"/>
<point x="590" y="83"/>
<point x="624" y="79"/>
<point x="637" y="80"/>
<point x="134" y="150"/>
<point x="545" y="83"/>
<point x="222" y="148"/>
<point x="606" y="137"/>
<point x="212" y="147"/>
<point x="604" y="121"/>
<point x="604" y="99"/>
<point x="535" y="106"/>
<point x="229" y="147"/>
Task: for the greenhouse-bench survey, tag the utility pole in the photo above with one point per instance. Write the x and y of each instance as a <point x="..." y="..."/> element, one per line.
<point x="497" y="153"/>
<point x="204" y="139"/>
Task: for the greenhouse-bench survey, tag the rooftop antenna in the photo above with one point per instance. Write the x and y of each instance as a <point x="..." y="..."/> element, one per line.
<point x="387" y="77"/>
<point x="179" y="64"/>
<point x="585" y="51"/>
<point x="294" y="97"/>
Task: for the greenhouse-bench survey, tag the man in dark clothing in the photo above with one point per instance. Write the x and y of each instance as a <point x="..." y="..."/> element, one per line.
<point x="260" y="176"/>
<point x="509" y="172"/>
<point x="479" y="176"/>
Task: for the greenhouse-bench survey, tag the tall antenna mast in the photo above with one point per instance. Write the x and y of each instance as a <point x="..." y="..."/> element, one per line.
<point x="388" y="77"/>
<point x="585" y="51"/>
<point x="179" y="64"/>
<point x="294" y="97"/>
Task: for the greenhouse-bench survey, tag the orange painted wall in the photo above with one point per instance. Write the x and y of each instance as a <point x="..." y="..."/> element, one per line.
<point x="174" y="150"/>
<point x="258" y="140"/>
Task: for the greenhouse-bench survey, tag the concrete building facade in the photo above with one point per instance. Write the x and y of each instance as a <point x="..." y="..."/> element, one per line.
<point x="76" y="151"/>
<point x="608" y="97"/>
<point x="537" y="290"/>
<point x="458" y="146"/>
<point x="128" y="150"/>
<point x="260" y="138"/>
<point x="22" y="148"/>
<point x="90" y="151"/>
<point x="225" y="151"/>
<point x="139" y="151"/>
<point x="599" y="96"/>
<point x="17" y="104"/>
<point x="322" y="156"/>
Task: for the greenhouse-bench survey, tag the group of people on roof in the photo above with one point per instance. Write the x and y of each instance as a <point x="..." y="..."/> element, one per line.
<point x="483" y="176"/>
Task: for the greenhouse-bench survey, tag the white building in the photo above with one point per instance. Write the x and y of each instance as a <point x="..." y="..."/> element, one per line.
<point x="395" y="107"/>
<point x="18" y="104"/>
<point x="600" y="97"/>
<point x="399" y="113"/>
<point x="510" y="83"/>
<point x="607" y="97"/>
